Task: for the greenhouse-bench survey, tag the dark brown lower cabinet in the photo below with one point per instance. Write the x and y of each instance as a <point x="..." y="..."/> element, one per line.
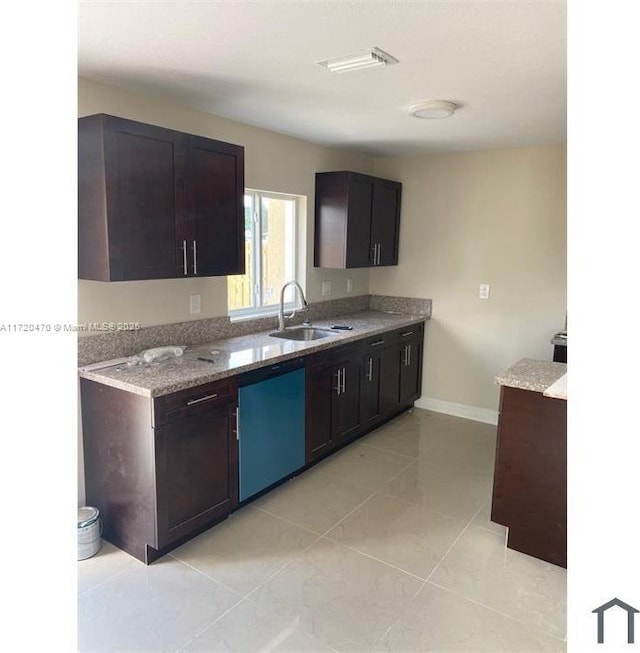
<point x="380" y="379"/>
<point x="320" y="388"/>
<point x="346" y="401"/>
<point x="410" y="366"/>
<point x="193" y="479"/>
<point x="355" y="388"/>
<point x="530" y="478"/>
<point x="159" y="470"/>
<point x="333" y="400"/>
<point x="162" y="470"/>
<point x="370" y="379"/>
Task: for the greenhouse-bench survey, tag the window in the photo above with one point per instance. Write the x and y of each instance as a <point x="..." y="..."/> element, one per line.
<point x="270" y="247"/>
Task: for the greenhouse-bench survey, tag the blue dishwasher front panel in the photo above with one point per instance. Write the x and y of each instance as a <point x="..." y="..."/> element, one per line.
<point x="271" y="426"/>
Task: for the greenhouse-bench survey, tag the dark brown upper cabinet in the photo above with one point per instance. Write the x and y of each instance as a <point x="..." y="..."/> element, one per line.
<point x="357" y="220"/>
<point x="155" y="203"/>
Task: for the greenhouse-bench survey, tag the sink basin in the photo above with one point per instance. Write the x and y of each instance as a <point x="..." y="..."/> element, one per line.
<point x="302" y="333"/>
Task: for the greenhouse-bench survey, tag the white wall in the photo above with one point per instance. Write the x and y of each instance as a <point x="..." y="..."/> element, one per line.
<point x="272" y="162"/>
<point x="496" y="217"/>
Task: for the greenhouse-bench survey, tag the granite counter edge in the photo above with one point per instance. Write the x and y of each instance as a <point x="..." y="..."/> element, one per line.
<point x="531" y="374"/>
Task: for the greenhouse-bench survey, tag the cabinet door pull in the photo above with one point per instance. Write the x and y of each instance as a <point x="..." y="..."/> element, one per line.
<point x="205" y="398"/>
<point x="377" y="343"/>
<point x="408" y="355"/>
<point x="339" y="387"/>
<point x="236" y="412"/>
<point x="407" y="333"/>
<point x="373" y="254"/>
<point x="195" y="259"/>
<point x="379" y="250"/>
<point x="370" y="372"/>
<point x="184" y="256"/>
<point x="344" y="382"/>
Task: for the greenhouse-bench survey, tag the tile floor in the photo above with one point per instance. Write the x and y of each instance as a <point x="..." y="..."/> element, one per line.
<point x="385" y="546"/>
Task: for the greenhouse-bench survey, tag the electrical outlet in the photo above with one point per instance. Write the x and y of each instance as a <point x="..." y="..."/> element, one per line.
<point x="349" y="285"/>
<point x="484" y="291"/>
<point x="194" y="304"/>
<point x="326" y="288"/>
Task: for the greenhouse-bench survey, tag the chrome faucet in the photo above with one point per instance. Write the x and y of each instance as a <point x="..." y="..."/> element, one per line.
<point x="304" y="307"/>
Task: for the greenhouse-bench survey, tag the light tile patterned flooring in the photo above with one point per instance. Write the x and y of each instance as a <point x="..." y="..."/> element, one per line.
<point x="385" y="546"/>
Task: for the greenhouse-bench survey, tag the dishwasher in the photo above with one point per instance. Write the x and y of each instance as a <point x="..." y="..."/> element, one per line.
<point x="271" y="425"/>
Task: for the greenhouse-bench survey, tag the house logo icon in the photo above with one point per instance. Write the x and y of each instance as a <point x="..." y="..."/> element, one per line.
<point x="631" y="613"/>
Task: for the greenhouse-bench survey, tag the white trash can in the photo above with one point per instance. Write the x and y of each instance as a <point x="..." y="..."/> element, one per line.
<point x="89" y="531"/>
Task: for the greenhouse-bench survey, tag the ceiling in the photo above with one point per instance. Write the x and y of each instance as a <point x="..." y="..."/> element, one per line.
<point x="502" y="62"/>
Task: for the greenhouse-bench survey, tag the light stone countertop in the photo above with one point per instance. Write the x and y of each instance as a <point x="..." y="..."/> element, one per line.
<point x="535" y="375"/>
<point x="240" y="354"/>
<point x="557" y="390"/>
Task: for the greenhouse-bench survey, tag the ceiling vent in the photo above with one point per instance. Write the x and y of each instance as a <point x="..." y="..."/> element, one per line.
<point x="372" y="58"/>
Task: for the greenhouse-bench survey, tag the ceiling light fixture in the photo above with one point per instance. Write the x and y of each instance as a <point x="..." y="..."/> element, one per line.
<point x="372" y="58"/>
<point x="433" y="109"/>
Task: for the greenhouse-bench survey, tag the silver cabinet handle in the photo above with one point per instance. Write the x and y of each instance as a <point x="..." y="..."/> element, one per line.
<point x="407" y="355"/>
<point x="339" y="387"/>
<point x="379" y="250"/>
<point x="373" y="254"/>
<point x="344" y="380"/>
<point x="184" y="256"/>
<point x="370" y="372"/>
<point x="206" y="398"/>
<point x="406" y="333"/>
<point x="377" y="343"/>
<point x="236" y="412"/>
<point x="195" y="259"/>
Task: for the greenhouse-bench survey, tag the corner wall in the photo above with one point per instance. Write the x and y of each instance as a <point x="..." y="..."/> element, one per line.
<point x="496" y="217"/>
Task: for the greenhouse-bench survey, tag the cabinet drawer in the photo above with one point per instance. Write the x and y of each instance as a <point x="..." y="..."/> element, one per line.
<point x="193" y="400"/>
<point x="334" y="354"/>
<point x="406" y="333"/>
<point x="380" y="341"/>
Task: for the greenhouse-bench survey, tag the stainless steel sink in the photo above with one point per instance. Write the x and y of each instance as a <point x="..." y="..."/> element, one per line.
<point x="303" y="333"/>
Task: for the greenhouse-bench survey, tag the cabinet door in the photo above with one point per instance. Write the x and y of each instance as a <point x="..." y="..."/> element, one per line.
<point x="212" y="223"/>
<point x="359" y="250"/>
<point x="346" y="400"/>
<point x="196" y="472"/>
<point x="410" y="370"/>
<point x="370" y="389"/>
<point x="530" y="478"/>
<point x="131" y="234"/>
<point x="374" y="380"/>
<point x="390" y="379"/>
<point x="385" y="221"/>
<point x="321" y="387"/>
<point x="357" y="222"/>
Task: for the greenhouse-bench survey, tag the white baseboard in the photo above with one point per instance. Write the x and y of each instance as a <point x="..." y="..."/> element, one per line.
<point x="458" y="410"/>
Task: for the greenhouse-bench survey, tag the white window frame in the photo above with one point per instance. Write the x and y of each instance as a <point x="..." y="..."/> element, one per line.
<point x="257" y="310"/>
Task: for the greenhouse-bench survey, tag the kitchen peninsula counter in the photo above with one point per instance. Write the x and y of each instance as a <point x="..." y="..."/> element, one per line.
<point x="530" y="478"/>
<point x="535" y="375"/>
